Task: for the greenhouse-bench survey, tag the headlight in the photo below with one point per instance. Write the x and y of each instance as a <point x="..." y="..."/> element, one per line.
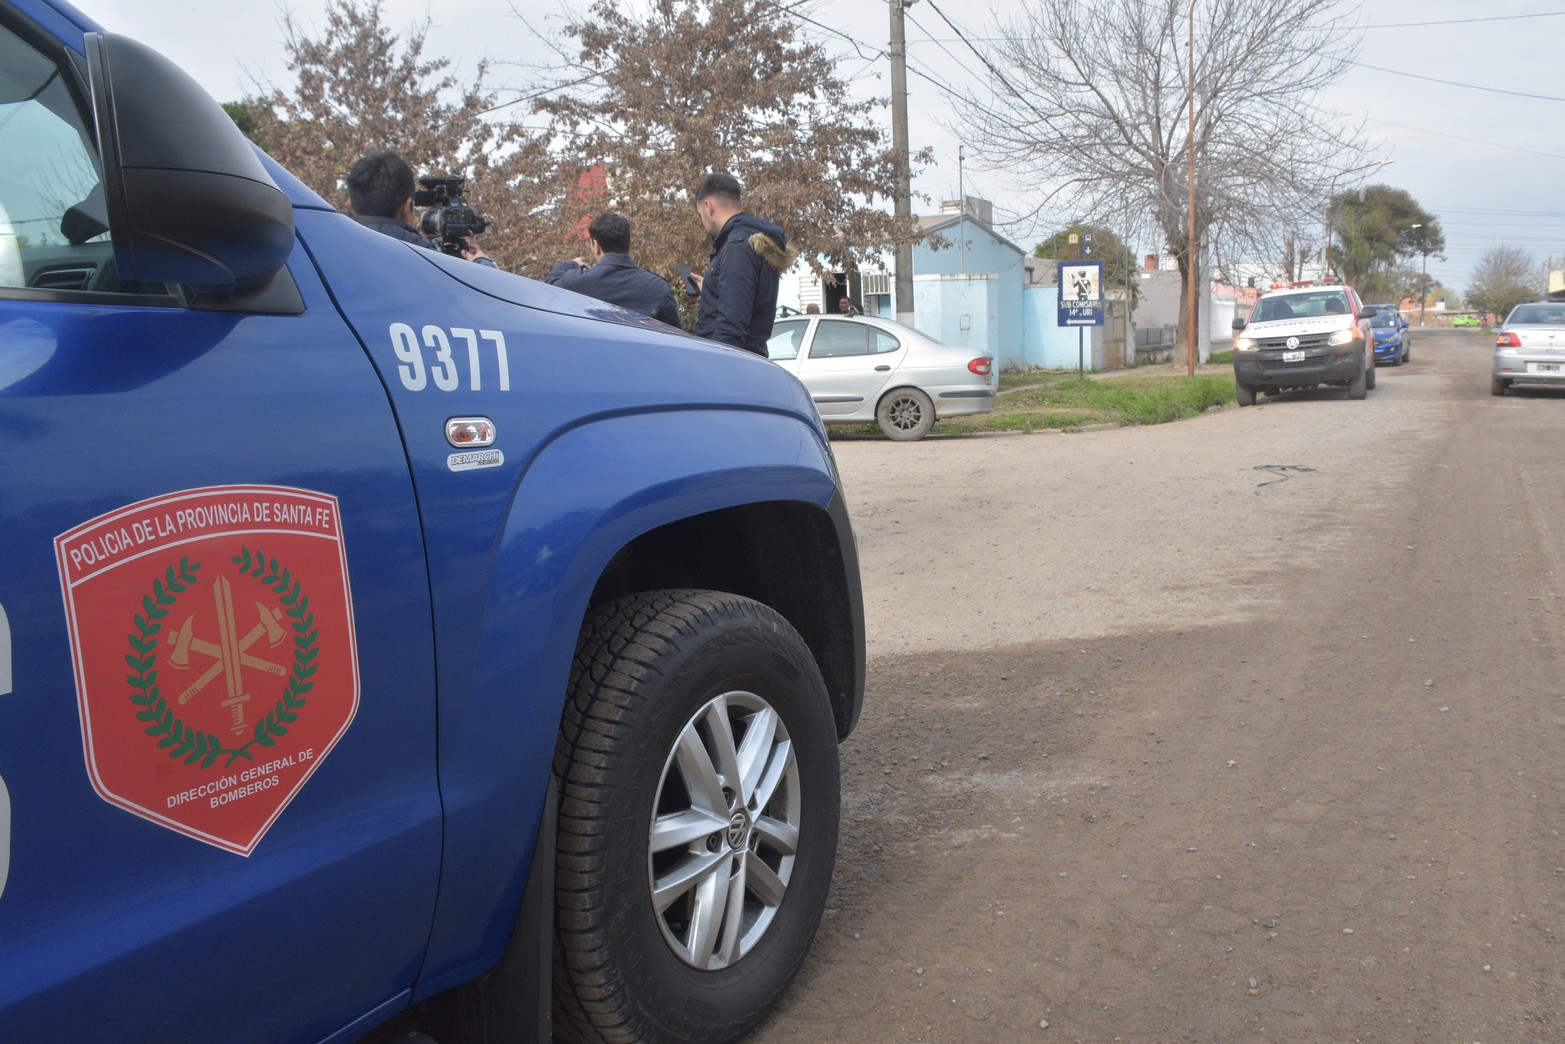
<point x="1347" y="336"/>
<point x="1244" y="344"/>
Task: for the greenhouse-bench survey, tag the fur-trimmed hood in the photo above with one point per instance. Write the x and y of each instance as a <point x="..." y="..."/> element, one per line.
<point x="772" y="252"/>
<point x="767" y="239"/>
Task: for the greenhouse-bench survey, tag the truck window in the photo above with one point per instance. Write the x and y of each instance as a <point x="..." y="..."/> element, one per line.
<point x="53" y="224"/>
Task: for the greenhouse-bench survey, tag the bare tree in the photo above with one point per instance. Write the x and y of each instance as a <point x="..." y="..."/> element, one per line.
<point x="657" y="94"/>
<point x="1087" y="101"/>
<point x="1298" y="248"/>
<point x="1504" y="277"/>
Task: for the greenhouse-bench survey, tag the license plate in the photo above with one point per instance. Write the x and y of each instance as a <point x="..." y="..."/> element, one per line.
<point x="1545" y="367"/>
<point x="1292" y="356"/>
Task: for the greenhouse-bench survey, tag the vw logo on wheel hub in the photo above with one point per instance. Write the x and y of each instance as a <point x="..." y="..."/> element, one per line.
<point x="738" y="830"/>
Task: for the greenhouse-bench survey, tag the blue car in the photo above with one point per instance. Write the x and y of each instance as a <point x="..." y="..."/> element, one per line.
<point x="375" y="625"/>
<point x="1393" y="345"/>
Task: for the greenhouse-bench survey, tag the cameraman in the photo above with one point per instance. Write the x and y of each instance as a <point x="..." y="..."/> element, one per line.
<point x="380" y="190"/>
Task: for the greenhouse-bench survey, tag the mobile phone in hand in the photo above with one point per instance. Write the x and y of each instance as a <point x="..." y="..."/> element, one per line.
<point x="688" y="281"/>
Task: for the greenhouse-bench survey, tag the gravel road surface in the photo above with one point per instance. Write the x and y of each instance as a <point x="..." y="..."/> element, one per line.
<point x="1248" y="727"/>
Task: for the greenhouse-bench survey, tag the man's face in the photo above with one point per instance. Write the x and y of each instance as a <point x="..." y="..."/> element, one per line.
<point x="706" y="213"/>
<point x="842" y="306"/>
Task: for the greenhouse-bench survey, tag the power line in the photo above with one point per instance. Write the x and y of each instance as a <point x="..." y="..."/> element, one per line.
<point x="932" y="78"/>
<point x="937" y="43"/>
<point x="551" y="89"/>
<point x="1508" y="213"/>
<point x="858" y="45"/>
<point x="1465" y="21"/>
<point x="1453" y="83"/>
<point x="1016" y="92"/>
<point x="1466" y="138"/>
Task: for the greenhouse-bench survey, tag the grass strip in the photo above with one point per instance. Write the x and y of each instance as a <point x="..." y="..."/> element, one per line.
<point x="1050" y="401"/>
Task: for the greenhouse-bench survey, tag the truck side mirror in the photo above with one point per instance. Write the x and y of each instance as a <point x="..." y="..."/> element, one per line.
<point x="187" y="199"/>
<point x="1238" y="324"/>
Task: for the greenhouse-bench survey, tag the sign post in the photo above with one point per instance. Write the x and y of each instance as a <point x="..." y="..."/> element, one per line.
<point x="1080" y="301"/>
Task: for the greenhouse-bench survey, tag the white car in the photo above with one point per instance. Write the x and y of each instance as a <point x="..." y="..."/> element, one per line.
<point x="1531" y="347"/>
<point x="862" y="370"/>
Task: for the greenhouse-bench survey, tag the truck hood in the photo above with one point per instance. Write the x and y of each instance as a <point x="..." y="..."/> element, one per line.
<point x="1316" y="324"/>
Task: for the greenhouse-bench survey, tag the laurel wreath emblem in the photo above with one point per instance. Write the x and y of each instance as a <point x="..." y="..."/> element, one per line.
<point x="173" y="734"/>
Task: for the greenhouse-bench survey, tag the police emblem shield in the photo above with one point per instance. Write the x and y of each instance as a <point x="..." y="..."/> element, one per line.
<point x="213" y="645"/>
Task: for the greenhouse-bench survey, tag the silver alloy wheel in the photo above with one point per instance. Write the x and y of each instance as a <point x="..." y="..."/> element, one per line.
<point x="906" y="412"/>
<point x="724" y="831"/>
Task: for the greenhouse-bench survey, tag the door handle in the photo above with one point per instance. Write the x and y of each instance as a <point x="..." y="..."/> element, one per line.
<point x="882" y="369"/>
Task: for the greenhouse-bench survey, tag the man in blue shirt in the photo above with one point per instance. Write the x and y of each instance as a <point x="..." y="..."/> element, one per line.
<point x="612" y="276"/>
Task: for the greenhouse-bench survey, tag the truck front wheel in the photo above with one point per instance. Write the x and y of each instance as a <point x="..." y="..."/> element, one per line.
<point x="699" y="801"/>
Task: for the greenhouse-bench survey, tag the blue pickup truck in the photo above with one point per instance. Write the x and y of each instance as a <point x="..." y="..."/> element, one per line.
<point x="386" y="642"/>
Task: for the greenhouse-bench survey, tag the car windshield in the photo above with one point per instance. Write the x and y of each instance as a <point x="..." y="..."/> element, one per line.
<point x="1384" y="319"/>
<point x="1537" y="315"/>
<point x="1301" y="306"/>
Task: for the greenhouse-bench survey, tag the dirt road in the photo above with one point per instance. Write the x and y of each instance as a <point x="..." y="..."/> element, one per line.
<point x="1161" y="747"/>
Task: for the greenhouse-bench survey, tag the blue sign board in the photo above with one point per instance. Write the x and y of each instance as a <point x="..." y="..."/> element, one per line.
<point x="1081" y="293"/>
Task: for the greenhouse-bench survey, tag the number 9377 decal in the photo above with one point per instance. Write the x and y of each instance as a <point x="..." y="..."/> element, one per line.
<point x="438" y="356"/>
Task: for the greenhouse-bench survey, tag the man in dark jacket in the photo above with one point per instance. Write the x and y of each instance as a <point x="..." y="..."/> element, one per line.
<point x="739" y="288"/>
<point x="614" y="277"/>
<point x="380" y="190"/>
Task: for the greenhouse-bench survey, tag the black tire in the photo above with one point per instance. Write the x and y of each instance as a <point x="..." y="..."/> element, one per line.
<point x="1358" y="388"/>
<point x="1369" y="373"/>
<point x="1244" y="394"/>
<point x="905" y="415"/>
<point x="1497" y="385"/>
<point x="666" y="691"/>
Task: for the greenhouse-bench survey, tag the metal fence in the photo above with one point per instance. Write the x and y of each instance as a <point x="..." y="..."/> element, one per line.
<point x="1156" y="343"/>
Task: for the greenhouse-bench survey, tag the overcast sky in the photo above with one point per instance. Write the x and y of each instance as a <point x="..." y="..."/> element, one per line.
<point x="1489" y="165"/>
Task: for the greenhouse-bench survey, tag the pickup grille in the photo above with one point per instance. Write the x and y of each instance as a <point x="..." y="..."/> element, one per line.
<point x="1281" y="343"/>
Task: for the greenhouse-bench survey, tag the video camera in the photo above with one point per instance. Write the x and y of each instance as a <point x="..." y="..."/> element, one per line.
<point x="448" y="220"/>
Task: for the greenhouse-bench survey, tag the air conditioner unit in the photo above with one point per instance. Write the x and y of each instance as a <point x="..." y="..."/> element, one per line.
<point x="876" y="283"/>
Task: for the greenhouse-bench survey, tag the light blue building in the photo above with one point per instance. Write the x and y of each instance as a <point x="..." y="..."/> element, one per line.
<point x="971" y="287"/>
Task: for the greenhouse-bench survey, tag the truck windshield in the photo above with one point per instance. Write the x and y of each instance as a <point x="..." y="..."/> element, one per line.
<point x="1301" y="306"/>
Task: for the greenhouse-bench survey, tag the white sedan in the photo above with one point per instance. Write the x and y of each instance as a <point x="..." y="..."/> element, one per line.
<point x="861" y="369"/>
<point x="1531" y="347"/>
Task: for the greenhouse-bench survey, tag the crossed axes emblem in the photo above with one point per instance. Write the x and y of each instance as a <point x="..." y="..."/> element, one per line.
<point x="230" y="652"/>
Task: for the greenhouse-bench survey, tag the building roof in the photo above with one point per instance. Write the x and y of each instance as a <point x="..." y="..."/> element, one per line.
<point x="941" y="222"/>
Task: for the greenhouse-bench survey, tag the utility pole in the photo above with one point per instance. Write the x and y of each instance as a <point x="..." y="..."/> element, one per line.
<point x="1423" y="273"/>
<point x="1192" y="266"/>
<point x="961" y="203"/>
<point x="903" y="282"/>
<point x="1423" y="285"/>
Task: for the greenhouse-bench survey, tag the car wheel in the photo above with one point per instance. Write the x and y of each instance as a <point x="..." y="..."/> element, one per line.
<point x="699" y="802"/>
<point x="1369" y="375"/>
<point x="1358" y="388"/>
<point x="905" y="415"/>
<point x="1244" y="394"/>
<point x="1497" y="386"/>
